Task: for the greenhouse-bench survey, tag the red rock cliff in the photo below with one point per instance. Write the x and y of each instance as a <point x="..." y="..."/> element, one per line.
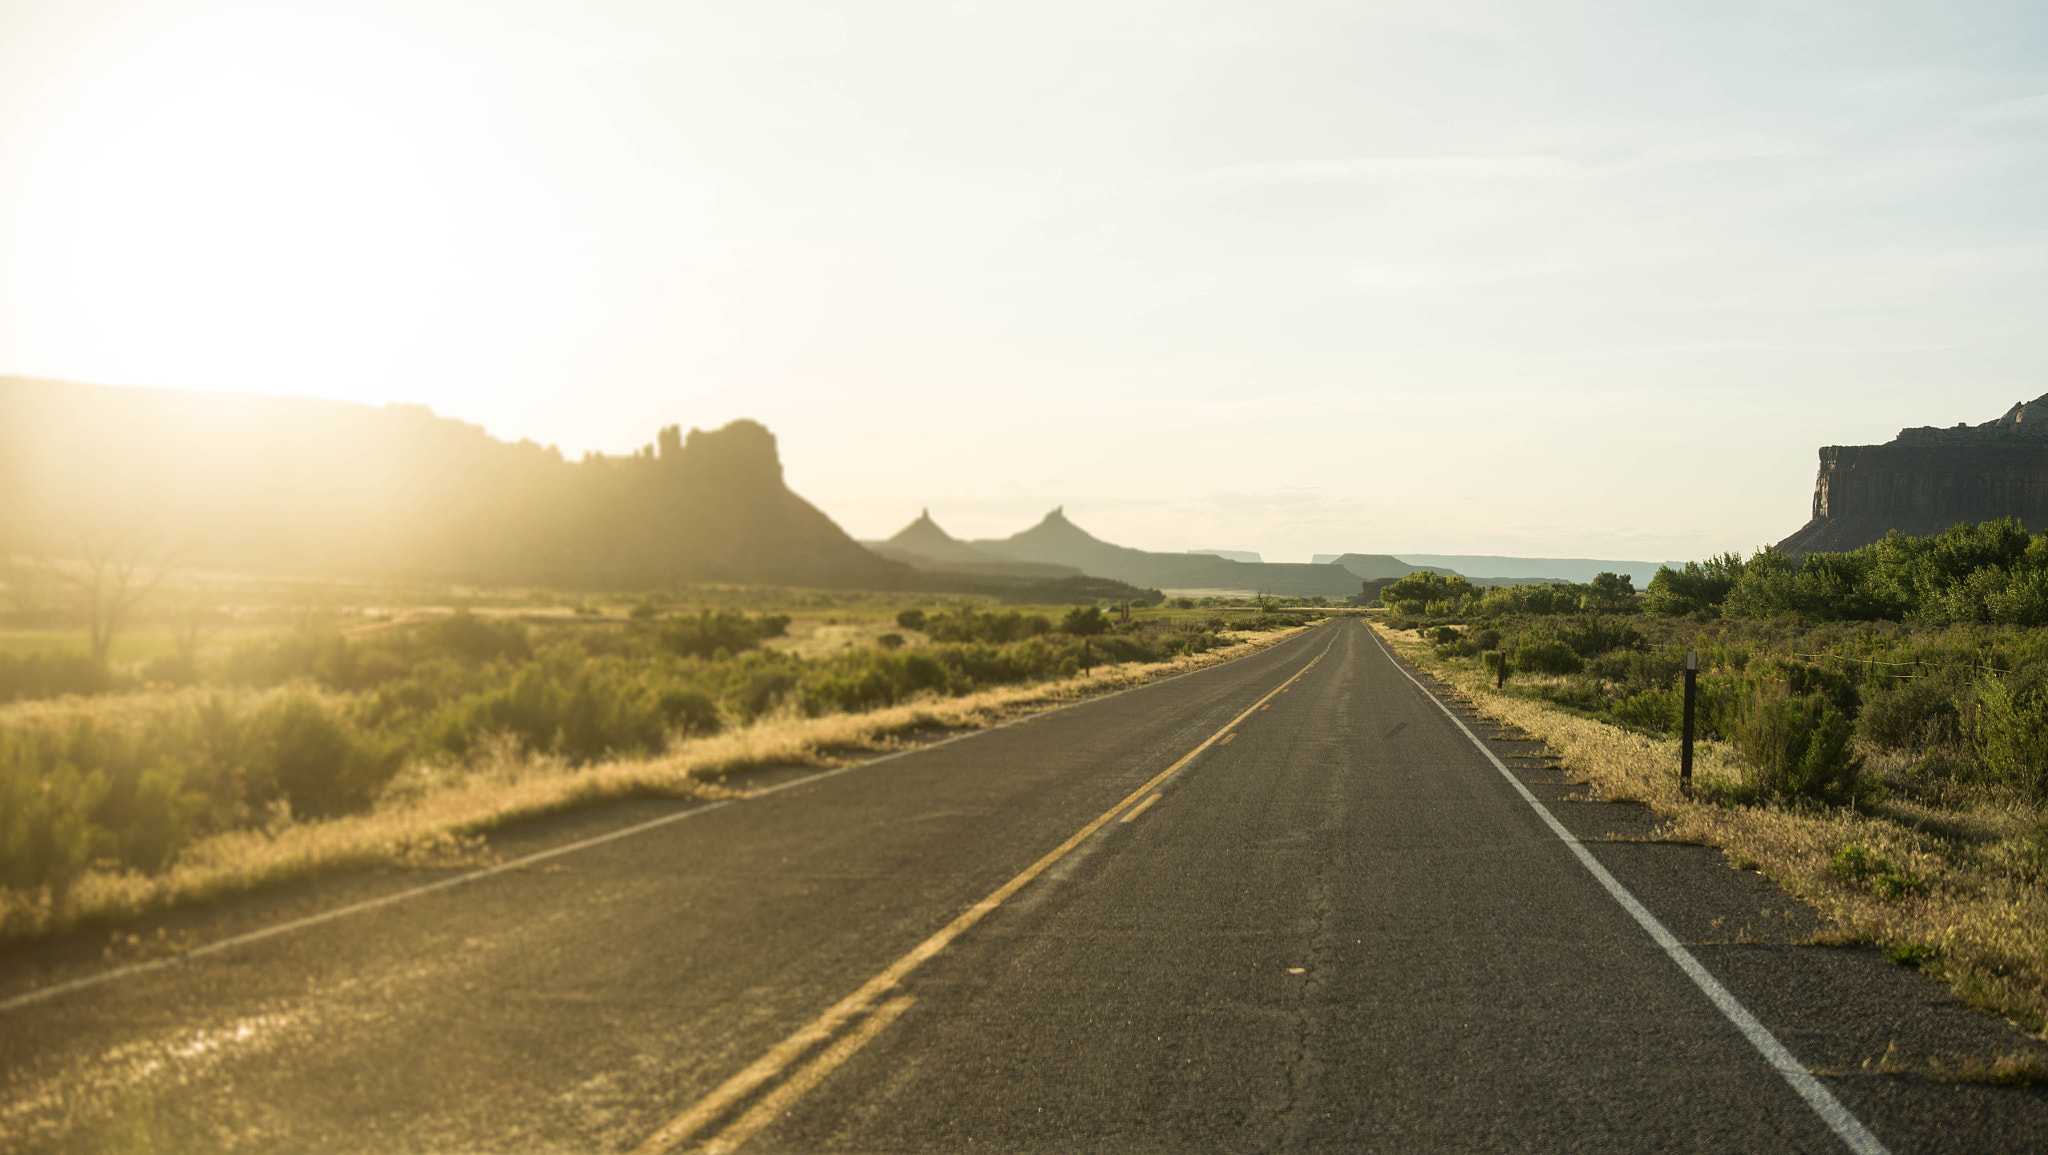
<point x="1926" y="480"/>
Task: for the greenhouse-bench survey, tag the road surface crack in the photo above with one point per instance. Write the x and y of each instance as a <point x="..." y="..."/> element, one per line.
<point x="1304" y="1069"/>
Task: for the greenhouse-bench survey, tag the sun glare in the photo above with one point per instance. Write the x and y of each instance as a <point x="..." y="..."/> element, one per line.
<point x="262" y="209"/>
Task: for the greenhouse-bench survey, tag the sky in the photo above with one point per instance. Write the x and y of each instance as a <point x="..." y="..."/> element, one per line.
<point x="1546" y="279"/>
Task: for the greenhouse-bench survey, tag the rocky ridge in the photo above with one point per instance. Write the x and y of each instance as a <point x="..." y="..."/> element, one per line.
<point x="1927" y="479"/>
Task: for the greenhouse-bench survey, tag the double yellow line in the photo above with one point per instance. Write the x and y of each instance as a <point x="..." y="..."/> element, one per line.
<point x="680" y="1129"/>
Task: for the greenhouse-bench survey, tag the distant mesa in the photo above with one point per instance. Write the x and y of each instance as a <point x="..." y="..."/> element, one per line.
<point x="927" y="546"/>
<point x="1496" y="570"/>
<point x="1927" y="479"/>
<point x="289" y="485"/>
<point x="1371" y="566"/>
<point x="1055" y="540"/>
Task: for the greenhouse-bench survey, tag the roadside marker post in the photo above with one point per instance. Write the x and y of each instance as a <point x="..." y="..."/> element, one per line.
<point x="1692" y="678"/>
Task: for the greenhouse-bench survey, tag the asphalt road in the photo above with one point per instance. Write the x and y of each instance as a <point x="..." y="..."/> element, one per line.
<point x="1337" y="926"/>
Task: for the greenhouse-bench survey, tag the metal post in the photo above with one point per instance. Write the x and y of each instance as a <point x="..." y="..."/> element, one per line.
<point x="1692" y="676"/>
<point x="1500" y="671"/>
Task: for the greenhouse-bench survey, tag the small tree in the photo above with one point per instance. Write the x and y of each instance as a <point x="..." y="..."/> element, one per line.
<point x="1081" y="621"/>
<point x="113" y="573"/>
<point x="1610" y="593"/>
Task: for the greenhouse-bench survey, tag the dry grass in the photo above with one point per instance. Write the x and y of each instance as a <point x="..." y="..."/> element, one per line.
<point x="432" y="816"/>
<point x="1966" y="896"/>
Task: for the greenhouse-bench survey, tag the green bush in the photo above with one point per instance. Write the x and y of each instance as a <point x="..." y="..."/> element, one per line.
<point x="1658" y="711"/>
<point x="1795" y="746"/>
<point x="691" y="713"/>
<point x="315" y="759"/>
<point x="1547" y="656"/>
<point x="135" y="785"/>
<point x="966" y="625"/>
<point x="1700" y="587"/>
<point x="764" y="691"/>
<point x="1424" y="593"/>
<point x="912" y="619"/>
<point x="1639" y="671"/>
<point x="1855" y="863"/>
<point x="2009" y="735"/>
<point x="1910" y="714"/>
<point x="709" y="632"/>
<point x="1084" y="621"/>
<point x="1609" y="593"/>
<point x="1597" y="634"/>
<point x="50" y="675"/>
<point x="1261" y="623"/>
<point x="46" y="830"/>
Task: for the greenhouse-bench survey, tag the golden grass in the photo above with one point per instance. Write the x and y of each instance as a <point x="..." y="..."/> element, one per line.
<point x="1981" y="904"/>
<point x="431" y="815"/>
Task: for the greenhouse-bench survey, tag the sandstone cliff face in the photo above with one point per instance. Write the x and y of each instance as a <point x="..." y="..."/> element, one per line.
<point x="283" y="485"/>
<point x="1925" y="480"/>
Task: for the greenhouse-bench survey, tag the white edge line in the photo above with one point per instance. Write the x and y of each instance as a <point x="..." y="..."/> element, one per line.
<point x="1850" y="1129"/>
<point x="42" y="994"/>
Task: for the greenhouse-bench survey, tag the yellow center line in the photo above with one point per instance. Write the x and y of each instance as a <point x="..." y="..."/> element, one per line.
<point x="773" y="1104"/>
<point x="1139" y="808"/>
<point x="1228" y="739"/>
<point x="768" y="1066"/>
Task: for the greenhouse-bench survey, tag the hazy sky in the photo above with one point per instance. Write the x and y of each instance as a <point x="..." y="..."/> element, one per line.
<point x="1559" y="279"/>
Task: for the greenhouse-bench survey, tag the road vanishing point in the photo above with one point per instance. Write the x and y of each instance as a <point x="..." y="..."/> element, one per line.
<point x="1296" y="901"/>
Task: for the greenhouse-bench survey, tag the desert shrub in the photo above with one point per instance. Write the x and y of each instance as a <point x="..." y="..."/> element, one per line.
<point x="689" y="712"/>
<point x="1423" y="593"/>
<point x="911" y="619"/>
<point x="1855" y="863"/>
<point x="966" y="625"/>
<point x="1795" y="746"/>
<point x="890" y="641"/>
<point x="1803" y="678"/>
<point x="136" y="788"/>
<point x="1084" y="621"/>
<point x="1458" y="649"/>
<point x="46" y="829"/>
<point x="1486" y="639"/>
<point x="1910" y="714"/>
<point x="1445" y="635"/>
<point x="1764" y="587"/>
<point x="315" y="759"/>
<point x="1609" y="593"/>
<point x="1541" y="600"/>
<point x="469" y="638"/>
<point x="2008" y="733"/>
<point x="1639" y="671"/>
<point x="1576" y="691"/>
<point x="764" y="691"/>
<point x="50" y="675"/>
<point x="1547" y="655"/>
<point x="1658" y="711"/>
<point x="1261" y="623"/>
<point x="1699" y="587"/>
<point x="710" y="632"/>
<point x="1597" y="634"/>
